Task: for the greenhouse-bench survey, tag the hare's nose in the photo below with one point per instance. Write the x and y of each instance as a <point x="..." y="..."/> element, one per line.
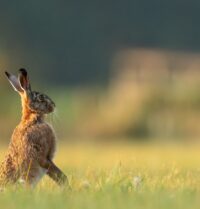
<point x="51" y="108"/>
<point x="53" y="104"/>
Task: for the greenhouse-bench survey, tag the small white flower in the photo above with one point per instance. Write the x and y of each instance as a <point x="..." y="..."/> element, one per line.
<point x="85" y="184"/>
<point x="137" y="180"/>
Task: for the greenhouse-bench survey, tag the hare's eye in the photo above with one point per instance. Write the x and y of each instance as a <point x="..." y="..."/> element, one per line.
<point x="40" y="98"/>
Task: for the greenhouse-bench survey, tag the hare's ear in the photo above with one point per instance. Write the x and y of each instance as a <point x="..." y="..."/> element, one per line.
<point x="24" y="80"/>
<point x="14" y="82"/>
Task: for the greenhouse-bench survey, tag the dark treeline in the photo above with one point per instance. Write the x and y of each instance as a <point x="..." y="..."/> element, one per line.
<point x="72" y="42"/>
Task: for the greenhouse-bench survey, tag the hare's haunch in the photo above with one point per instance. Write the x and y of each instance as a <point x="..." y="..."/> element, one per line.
<point x="33" y="141"/>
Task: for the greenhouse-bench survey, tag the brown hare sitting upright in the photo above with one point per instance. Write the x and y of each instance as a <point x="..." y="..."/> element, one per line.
<point x="33" y="142"/>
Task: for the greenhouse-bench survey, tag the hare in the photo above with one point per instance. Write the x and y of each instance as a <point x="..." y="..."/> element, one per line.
<point x="33" y="143"/>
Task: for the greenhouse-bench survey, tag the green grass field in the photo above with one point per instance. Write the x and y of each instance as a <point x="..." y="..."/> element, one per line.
<point x="117" y="176"/>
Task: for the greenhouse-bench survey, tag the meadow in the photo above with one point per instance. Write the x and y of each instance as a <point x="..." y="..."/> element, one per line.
<point x="131" y="144"/>
<point x="117" y="175"/>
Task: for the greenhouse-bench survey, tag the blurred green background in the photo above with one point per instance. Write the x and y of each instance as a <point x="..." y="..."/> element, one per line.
<point x="117" y="70"/>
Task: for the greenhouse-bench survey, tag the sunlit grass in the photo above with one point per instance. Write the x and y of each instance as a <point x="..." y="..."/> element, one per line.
<point x="117" y="176"/>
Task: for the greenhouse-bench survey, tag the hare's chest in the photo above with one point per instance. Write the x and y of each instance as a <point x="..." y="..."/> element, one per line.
<point x="44" y="134"/>
<point x="38" y="136"/>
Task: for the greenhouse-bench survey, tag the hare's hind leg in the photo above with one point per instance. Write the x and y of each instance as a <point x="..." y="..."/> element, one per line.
<point x="8" y="177"/>
<point x="8" y="173"/>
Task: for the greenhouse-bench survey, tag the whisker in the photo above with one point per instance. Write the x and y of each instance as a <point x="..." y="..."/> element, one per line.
<point x="55" y="118"/>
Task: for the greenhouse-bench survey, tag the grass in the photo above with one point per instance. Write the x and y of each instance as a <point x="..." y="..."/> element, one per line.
<point x="117" y="176"/>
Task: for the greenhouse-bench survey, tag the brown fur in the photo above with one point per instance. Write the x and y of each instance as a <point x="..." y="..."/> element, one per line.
<point x="33" y="143"/>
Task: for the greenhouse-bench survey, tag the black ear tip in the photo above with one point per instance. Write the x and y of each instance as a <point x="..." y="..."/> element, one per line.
<point x="7" y="74"/>
<point x="23" y="71"/>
